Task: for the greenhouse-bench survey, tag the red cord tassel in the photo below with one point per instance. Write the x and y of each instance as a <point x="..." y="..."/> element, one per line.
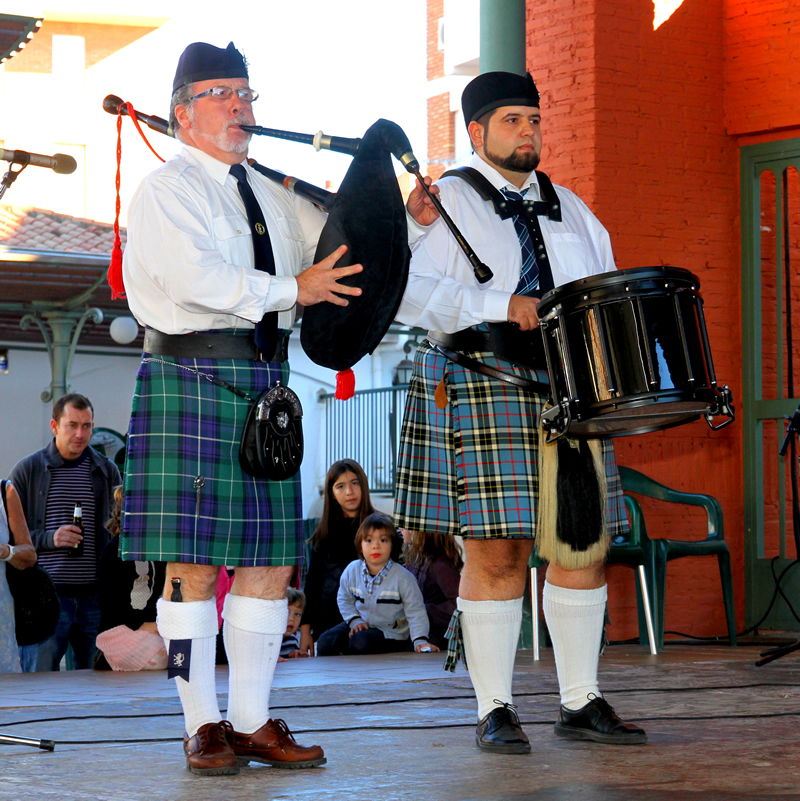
<point x="345" y="385"/>
<point x="115" y="272"/>
<point x="115" y="268"/>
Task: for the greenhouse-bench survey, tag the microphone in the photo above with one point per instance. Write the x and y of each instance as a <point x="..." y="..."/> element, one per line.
<point x="60" y="163"/>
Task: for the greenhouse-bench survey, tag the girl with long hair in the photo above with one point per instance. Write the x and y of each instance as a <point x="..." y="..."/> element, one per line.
<point x="346" y="505"/>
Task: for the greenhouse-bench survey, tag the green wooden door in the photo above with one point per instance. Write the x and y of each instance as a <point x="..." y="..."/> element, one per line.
<point x="770" y="192"/>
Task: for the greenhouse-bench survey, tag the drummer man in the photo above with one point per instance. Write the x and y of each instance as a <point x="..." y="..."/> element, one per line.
<point x="469" y="450"/>
<point x="209" y="293"/>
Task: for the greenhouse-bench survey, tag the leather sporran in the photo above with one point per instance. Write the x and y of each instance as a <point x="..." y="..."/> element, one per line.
<point x="36" y="603"/>
<point x="272" y="439"/>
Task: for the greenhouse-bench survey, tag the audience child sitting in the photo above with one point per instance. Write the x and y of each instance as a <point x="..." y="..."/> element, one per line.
<point x="290" y="647"/>
<point x="435" y="561"/>
<point x="347" y="504"/>
<point x="379" y="600"/>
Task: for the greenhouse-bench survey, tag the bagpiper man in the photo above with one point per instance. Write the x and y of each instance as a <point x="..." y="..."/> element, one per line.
<point x="217" y="259"/>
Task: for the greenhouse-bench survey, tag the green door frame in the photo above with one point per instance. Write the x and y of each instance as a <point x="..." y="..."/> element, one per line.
<point x="759" y="584"/>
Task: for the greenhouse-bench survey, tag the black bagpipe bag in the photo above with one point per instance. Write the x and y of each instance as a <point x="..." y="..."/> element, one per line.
<point x="366" y="214"/>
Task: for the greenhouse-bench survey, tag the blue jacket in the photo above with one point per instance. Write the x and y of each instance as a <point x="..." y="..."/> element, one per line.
<point x="31" y="479"/>
<point x="395" y="606"/>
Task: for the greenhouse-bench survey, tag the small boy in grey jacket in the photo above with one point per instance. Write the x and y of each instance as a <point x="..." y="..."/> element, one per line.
<point x="380" y="601"/>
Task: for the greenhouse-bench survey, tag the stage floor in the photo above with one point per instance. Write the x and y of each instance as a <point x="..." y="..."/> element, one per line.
<point x="398" y="727"/>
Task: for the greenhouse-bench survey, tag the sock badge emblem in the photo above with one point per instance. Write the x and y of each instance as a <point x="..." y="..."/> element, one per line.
<point x="179" y="659"/>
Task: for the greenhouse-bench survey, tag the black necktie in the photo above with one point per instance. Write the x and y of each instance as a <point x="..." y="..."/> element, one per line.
<point x="266" y="333"/>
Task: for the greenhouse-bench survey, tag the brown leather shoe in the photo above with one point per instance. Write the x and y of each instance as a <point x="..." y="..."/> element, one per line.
<point x="209" y="752"/>
<point x="273" y="744"/>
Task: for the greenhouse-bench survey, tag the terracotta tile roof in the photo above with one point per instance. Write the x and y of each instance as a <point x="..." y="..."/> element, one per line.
<point x="47" y="258"/>
<point x="41" y="229"/>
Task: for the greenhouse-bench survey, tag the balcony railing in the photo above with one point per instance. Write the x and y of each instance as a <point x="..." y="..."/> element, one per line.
<point x="366" y="428"/>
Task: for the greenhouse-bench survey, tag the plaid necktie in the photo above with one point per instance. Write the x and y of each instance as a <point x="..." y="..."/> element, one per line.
<point x="529" y="272"/>
<point x="266" y="333"/>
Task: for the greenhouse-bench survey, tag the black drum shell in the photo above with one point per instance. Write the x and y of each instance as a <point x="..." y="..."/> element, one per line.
<point x="628" y="351"/>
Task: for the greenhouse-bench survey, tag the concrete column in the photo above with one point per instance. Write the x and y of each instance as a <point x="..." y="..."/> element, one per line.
<point x="502" y="36"/>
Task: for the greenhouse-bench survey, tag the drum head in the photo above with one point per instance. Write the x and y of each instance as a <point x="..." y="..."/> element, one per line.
<point x="617" y="284"/>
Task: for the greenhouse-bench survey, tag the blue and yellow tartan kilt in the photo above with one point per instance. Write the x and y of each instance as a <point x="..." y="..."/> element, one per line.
<point x="472" y="468"/>
<point x="186" y="499"/>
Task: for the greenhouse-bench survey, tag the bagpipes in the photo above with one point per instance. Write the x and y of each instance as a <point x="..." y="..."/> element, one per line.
<point x="367" y="214"/>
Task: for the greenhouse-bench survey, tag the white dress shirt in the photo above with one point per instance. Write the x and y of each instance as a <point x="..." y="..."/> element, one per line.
<point x="442" y="292"/>
<point x="188" y="262"/>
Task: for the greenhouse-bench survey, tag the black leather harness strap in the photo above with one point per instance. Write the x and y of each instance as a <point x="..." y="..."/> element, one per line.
<point x="487" y="370"/>
<point x="528" y="210"/>
<point x="505" y="340"/>
<point x="549" y="207"/>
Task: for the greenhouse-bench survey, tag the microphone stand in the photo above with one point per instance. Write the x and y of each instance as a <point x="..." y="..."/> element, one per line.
<point x="771" y="654"/>
<point x="45" y="745"/>
<point x="10" y="177"/>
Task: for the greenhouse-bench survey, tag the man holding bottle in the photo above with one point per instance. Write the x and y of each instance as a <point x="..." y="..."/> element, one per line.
<point x="53" y="484"/>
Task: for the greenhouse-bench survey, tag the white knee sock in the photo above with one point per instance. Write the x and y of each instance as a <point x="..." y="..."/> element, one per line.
<point x="253" y="632"/>
<point x="575" y="622"/>
<point x="195" y="621"/>
<point x="491" y="634"/>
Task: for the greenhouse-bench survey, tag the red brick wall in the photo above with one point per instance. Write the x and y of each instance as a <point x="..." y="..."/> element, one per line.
<point x="560" y="44"/>
<point x="633" y="121"/>
<point x="101" y="42"/>
<point x="441" y="126"/>
<point x="762" y="48"/>
<point x="435" y="56"/>
<point x="441" y="135"/>
<point x="670" y="195"/>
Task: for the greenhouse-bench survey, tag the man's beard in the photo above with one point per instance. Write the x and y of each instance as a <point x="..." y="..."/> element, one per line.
<point x="522" y="162"/>
<point x="222" y="140"/>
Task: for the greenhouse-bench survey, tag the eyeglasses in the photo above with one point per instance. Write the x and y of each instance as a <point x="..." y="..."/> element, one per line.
<point x="226" y="93"/>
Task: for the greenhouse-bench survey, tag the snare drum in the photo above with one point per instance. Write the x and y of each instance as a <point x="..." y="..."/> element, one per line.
<point x="627" y="353"/>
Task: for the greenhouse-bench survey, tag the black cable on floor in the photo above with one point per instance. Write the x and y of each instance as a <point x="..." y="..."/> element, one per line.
<point x="622" y="691"/>
<point x="693" y="640"/>
<point x="725" y="640"/>
<point x="778" y="580"/>
<point x="439" y="726"/>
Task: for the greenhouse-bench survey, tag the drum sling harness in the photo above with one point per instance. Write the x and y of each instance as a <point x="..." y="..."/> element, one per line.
<point x="529" y="211"/>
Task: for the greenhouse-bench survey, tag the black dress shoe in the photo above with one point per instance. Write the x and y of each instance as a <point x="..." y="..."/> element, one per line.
<point x="500" y="732"/>
<point x="597" y="721"/>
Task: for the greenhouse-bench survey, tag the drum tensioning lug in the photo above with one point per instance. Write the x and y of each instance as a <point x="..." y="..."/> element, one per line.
<point x="556" y="421"/>
<point x="724" y="407"/>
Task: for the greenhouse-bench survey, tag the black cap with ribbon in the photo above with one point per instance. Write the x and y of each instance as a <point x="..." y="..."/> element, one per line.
<point x="205" y="62"/>
<point x="495" y="89"/>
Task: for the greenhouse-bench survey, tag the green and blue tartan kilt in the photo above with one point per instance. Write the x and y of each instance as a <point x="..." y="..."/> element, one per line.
<point x="473" y="468"/>
<point x="185" y="431"/>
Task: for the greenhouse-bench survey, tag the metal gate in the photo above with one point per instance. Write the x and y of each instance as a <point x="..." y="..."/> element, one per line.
<point x="366" y="428"/>
<point x="770" y="192"/>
